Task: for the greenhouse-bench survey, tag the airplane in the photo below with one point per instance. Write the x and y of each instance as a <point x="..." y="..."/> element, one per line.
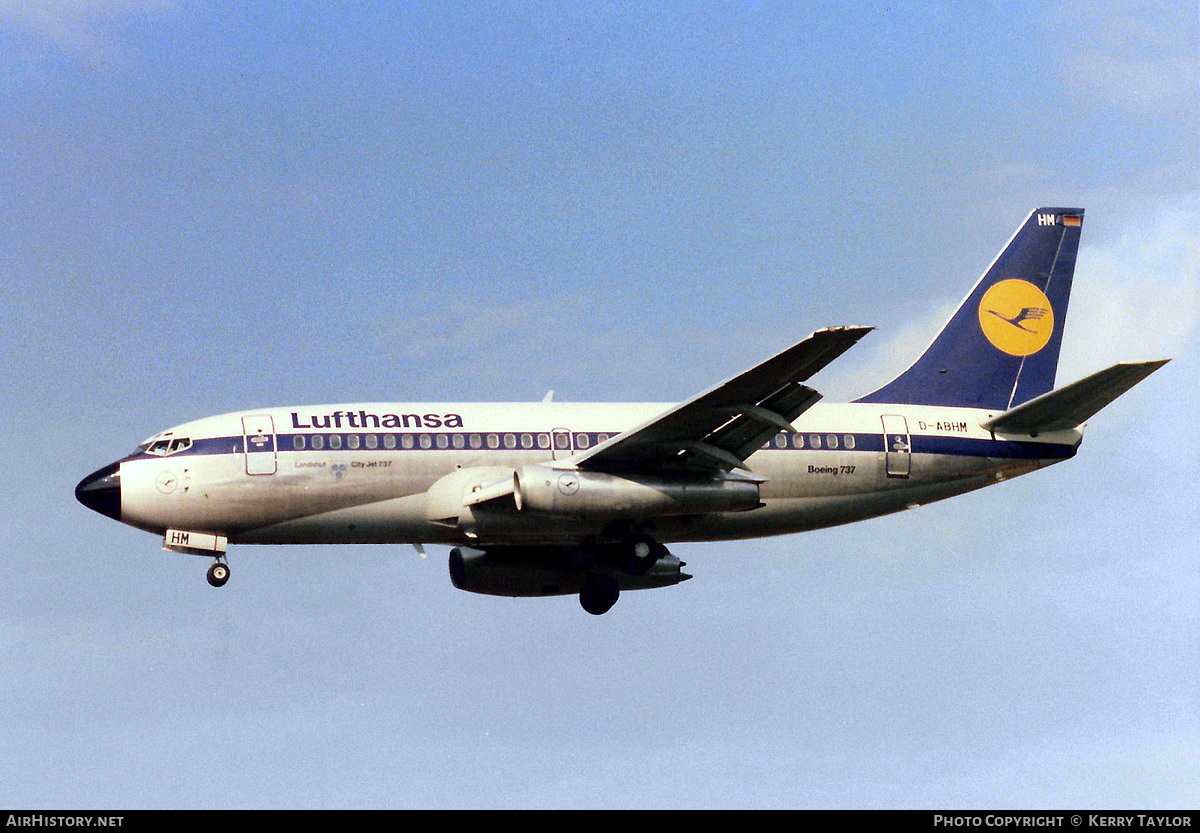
<point x="557" y="498"/>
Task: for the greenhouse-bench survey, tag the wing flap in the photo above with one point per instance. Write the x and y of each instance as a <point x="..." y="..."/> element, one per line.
<point x="745" y="434"/>
<point x="1074" y="404"/>
<point x="724" y="425"/>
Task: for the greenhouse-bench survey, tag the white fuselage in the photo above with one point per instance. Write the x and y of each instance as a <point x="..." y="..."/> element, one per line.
<point x="374" y="473"/>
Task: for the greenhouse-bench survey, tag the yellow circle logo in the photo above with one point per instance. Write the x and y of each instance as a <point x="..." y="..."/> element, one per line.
<point x="1016" y="317"/>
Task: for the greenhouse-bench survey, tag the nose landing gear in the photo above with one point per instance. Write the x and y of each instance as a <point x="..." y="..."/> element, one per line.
<point x="201" y="543"/>
<point x="218" y="573"/>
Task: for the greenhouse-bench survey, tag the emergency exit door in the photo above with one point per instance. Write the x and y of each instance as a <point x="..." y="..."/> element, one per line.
<point x="258" y="441"/>
<point x="897" y="446"/>
<point x="560" y="443"/>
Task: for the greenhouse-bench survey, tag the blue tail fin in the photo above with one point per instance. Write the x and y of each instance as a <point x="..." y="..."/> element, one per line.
<point x="1001" y="347"/>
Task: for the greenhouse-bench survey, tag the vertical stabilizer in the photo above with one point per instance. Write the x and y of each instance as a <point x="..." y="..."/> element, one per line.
<point x="1001" y="346"/>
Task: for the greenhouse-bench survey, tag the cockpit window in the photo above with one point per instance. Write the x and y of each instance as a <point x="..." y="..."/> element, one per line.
<point x="167" y="445"/>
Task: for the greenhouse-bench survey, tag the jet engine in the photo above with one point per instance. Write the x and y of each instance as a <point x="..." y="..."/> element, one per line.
<point x="553" y="571"/>
<point x="602" y="496"/>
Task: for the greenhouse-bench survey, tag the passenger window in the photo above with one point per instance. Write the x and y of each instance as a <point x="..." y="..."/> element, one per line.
<point x="318" y="441"/>
<point x="510" y="440"/>
<point x="493" y="441"/>
<point x="372" y="441"/>
<point x="425" y="441"/>
<point x="527" y="441"/>
<point x="335" y="440"/>
<point x="352" y="441"/>
<point x="831" y="440"/>
<point x="298" y="442"/>
<point x="848" y="440"/>
<point x="781" y="441"/>
<point x="814" y="441"/>
<point x="582" y="441"/>
<point x="476" y="441"/>
<point x="560" y="441"/>
<point x="406" y="440"/>
<point x="443" y="441"/>
<point x="797" y="441"/>
<point x="389" y="440"/>
<point x="458" y="441"/>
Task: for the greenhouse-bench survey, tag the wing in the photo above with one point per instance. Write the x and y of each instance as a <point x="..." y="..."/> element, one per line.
<point x="720" y="428"/>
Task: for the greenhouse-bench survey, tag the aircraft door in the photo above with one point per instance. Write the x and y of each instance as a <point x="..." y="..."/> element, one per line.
<point x="560" y="443"/>
<point x="258" y="440"/>
<point x="897" y="446"/>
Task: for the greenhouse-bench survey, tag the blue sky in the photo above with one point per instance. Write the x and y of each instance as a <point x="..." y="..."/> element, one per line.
<point x="206" y="208"/>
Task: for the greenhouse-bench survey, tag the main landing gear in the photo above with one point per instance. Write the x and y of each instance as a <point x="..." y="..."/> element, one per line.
<point x="641" y="553"/>
<point x="635" y="556"/>
<point x="218" y="573"/>
<point x="599" y="593"/>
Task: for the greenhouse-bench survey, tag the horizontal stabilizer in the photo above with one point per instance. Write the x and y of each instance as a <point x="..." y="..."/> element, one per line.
<point x="1074" y="404"/>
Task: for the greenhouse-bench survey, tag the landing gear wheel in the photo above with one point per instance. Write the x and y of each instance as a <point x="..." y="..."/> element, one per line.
<point x="218" y="574"/>
<point x="599" y="594"/>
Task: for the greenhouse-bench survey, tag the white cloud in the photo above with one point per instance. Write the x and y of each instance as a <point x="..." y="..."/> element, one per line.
<point x="1138" y="296"/>
<point x="883" y="355"/>
<point x="82" y="27"/>
<point x="1137" y="57"/>
<point x="1137" y="84"/>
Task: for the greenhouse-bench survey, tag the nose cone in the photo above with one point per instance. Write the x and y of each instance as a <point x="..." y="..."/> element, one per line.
<point x="101" y="491"/>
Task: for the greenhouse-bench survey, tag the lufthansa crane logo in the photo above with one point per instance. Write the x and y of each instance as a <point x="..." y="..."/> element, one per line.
<point x="568" y="484"/>
<point x="1016" y="317"/>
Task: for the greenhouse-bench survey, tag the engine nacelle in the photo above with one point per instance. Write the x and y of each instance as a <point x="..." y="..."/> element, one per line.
<point x="552" y="571"/>
<point x="446" y="501"/>
<point x="602" y="496"/>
